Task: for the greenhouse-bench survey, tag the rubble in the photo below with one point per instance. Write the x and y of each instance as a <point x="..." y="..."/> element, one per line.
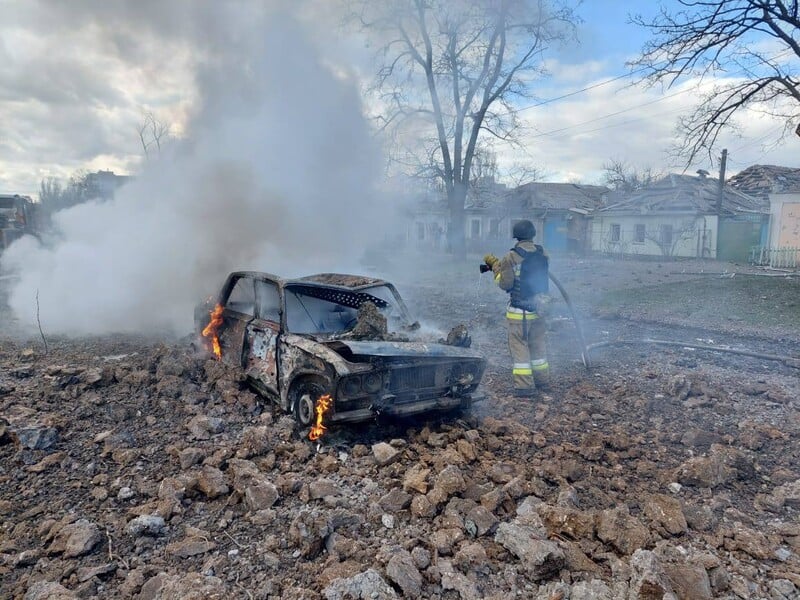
<point x="160" y="475"/>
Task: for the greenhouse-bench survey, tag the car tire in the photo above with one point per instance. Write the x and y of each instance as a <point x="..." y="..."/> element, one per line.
<point x="304" y="400"/>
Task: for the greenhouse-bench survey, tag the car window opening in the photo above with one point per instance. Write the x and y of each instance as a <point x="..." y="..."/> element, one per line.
<point x="310" y="309"/>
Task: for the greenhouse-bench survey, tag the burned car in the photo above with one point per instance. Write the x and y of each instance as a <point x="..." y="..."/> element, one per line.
<point x="347" y="339"/>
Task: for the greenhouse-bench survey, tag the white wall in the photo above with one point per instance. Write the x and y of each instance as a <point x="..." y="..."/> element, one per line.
<point x="694" y="233"/>
<point x="781" y="233"/>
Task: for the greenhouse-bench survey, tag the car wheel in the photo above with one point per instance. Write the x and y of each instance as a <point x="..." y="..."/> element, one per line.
<point x="305" y="398"/>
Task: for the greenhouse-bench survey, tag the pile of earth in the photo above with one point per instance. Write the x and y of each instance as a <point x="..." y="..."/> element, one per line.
<point x="134" y="470"/>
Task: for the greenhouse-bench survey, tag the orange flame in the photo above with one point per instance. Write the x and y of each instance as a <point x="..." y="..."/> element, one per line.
<point x="210" y="331"/>
<point x="322" y="406"/>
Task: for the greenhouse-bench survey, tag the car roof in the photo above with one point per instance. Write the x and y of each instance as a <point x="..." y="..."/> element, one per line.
<point x="341" y="280"/>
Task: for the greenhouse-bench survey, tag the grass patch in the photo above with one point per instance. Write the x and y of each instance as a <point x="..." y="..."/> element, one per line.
<point x="771" y="302"/>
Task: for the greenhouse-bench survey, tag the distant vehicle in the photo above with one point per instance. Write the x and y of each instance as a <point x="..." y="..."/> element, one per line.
<point x="16" y="219"/>
<point x="297" y="341"/>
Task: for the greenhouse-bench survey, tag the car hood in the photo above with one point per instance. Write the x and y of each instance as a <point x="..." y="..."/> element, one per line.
<point x="400" y="349"/>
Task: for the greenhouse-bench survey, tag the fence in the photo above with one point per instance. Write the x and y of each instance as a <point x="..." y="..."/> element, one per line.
<point x="782" y="258"/>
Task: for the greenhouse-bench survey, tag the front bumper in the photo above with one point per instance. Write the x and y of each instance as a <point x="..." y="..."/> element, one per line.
<point x="387" y="408"/>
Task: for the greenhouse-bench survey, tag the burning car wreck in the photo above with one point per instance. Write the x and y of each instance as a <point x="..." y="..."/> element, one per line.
<point x="342" y="345"/>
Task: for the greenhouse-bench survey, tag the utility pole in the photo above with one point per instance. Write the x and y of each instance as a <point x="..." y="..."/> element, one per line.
<point x="721" y="192"/>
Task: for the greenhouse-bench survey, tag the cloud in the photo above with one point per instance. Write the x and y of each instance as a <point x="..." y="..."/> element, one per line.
<point x="575" y="136"/>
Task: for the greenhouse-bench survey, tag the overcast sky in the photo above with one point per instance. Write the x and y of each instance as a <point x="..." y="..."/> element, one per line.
<point x="76" y="77"/>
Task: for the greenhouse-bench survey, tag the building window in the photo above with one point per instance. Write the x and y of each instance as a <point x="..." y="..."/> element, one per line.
<point x="666" y="235"/>
<point x="615" y="232"/>
<point x="494" y="229"/>
<point x="420" y="231"/>
<point x="638" y="233"/>
<point x="475" y="228"/>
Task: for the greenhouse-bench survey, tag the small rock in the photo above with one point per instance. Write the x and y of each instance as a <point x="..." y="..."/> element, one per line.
<point x="211" y="482"/>
<point x="783" y="589"/>
<point x="27" y="558"/>
<point x="648" y="579"/>
<point x="384" y="454"/>
<point x="76" y="539"/>
<point x="540" y="558"/>
<point x="675" y="487"/>
<point x="590" y="590"/>
<point x="260" y="496"/>
<point x="667" y="512"/>
<point x="125" y="493"/>
<point x="450" y="481"/>
<point x="618" y="528"/>
<point x="783" y="554"/>
<point x="322" y="488"/>
<point x="191" y="546"/>
<point x="190" y="457"/>
<point x="416" y="479"/>
<point x="87" y="573"/>
<point x="689" y="581"/>
<point x="387" y="521"/>
<point x="146" y="525"/>
<point x="395" y="501"/>
<point x="48" y="590"/>
<point x="404" y="573"/>
<point x="36" y="437"/>
<point x="480" y="521"/>
<point x="422" y="558"/>
<point x="368" y="585"/>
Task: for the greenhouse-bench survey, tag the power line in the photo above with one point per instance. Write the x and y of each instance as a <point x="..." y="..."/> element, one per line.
<point x="769" y="134"/>
<point x="619" y="112"/>
<point x="576" y="92"/>
<point x="547" y="133"/>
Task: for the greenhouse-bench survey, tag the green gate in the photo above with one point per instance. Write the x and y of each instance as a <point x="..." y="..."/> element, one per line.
<point x="737" y="235"/>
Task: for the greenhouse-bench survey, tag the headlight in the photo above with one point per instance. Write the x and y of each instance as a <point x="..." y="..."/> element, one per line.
<point x="466" y="379"/>
<point x="465" y="374"/>
<point x="351" y="386"/>
<point x="372" y="383"/>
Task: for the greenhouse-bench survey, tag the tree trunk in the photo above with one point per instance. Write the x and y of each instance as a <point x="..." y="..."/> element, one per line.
<point x="456" y="234"/>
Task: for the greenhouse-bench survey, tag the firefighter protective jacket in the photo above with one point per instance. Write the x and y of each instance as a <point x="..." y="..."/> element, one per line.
<point x="506" y="268"/>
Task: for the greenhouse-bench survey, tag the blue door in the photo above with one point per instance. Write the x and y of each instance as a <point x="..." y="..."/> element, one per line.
<point x="555" y="235"/>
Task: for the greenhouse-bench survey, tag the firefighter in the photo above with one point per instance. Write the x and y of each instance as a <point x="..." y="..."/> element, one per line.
<point x="523" y="273"/>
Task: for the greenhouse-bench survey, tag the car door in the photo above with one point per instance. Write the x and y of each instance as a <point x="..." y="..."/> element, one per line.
<point x="238" y="311"/>
<point x="261" y="360"/>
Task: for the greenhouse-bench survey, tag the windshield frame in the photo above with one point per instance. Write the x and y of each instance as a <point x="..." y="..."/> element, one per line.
<point x="354" y="297"/>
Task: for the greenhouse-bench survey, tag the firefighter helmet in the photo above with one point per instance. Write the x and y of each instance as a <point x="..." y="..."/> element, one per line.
<point x="523" y="230"/>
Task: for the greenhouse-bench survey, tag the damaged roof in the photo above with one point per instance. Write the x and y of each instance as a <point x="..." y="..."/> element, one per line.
<point x="339" y="280"/>
<point x="762" y="180"/>
<point x="342" y="280"/>
<point x="557" y="196"/>
<point x="683" y="194"/>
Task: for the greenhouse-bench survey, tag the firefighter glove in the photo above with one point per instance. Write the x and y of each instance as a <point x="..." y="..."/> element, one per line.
<point x="491" y="260"/>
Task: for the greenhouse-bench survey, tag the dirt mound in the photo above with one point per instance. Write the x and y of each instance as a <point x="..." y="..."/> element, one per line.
<point x="136" y="470"/>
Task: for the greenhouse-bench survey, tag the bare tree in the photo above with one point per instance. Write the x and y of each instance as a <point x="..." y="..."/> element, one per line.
<point x="520" y="173"/>
<point x="152" y="133"/>
<point x="50" y="192"/>
<point x="667" y="238"/>
<point x="619" y="175"/>
<point x="80" y="187"/>
<point x="454" y="68"/>
<point x="752" y="45"/>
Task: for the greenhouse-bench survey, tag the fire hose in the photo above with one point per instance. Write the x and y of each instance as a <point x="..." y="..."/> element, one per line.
<point x="789" y="361"/>
<point x="584" y="350"/>
<point x="484" y="268"/>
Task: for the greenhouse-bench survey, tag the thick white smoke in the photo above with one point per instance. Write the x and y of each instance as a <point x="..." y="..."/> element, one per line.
<point x="275" y="174"/>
